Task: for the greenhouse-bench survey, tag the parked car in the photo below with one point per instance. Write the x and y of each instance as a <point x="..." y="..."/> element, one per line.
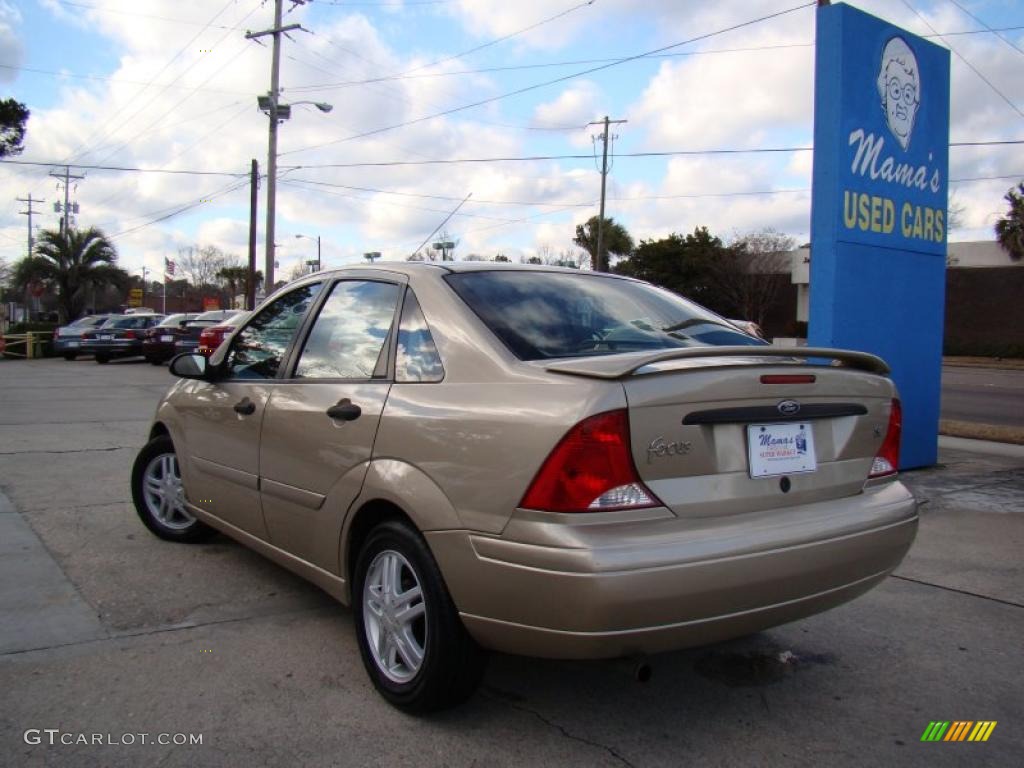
<point x="158" y="344"/>
<point x="67" y="340"/>
<point x="533" y="460"/>
<point x="189" y="341"/>
<point x="118" y="337"/>
<point x="210" y="338"/>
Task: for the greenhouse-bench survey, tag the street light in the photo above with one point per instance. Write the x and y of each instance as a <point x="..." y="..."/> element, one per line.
<point x="317" y="262"/>
<point x="278" y="113"/>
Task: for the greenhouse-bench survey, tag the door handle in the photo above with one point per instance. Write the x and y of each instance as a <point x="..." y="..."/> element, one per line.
<point x="345" y="410"/>
<point x="245" y="406"/>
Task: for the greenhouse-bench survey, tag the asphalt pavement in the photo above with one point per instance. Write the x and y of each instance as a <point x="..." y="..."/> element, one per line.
<point x="983" y="395"/>
<point x="107" y="633"/>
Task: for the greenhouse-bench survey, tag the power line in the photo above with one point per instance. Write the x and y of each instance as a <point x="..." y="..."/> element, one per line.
<point x="552" y="82"/>
<point x="184" y="208"/>
<point x="119" y="80"/>
<point x="995" y="32"/>
<point x="124" y="168"/>
<point x="661" y="153"/>
<point x="960" y="56"/>
<point x="105" y="9"/>
<point x="501" y="39"/>
<point x="449" y="161"/>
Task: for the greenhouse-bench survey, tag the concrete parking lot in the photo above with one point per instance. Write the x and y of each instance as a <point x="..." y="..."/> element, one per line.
<point x="106" y="630"/>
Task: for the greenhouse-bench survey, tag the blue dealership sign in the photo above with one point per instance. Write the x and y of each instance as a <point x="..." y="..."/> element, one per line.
<point x="879" y="206"/>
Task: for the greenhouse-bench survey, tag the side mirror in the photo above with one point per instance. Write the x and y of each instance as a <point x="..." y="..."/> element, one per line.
<point x="190" y="366"/>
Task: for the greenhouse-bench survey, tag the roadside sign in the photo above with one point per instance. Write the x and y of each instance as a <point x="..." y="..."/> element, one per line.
<point x="135" y="297"/>
<point x="210" y="303"/>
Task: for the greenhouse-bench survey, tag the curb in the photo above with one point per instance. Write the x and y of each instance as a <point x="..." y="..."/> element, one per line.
<point x="986" y="447"/>
<point x="975" y="431"/>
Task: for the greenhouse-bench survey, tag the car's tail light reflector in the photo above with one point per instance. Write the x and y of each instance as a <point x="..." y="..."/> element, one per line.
<point x="129" y="334"/>
<point x="887" y="461"/>
<point x="590" y="470"/>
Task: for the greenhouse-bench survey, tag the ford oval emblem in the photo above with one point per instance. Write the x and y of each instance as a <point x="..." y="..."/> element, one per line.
<point x="789" y="407"/>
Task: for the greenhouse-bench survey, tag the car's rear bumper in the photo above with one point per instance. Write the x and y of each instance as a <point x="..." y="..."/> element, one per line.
<point x="625" y="588"/>
<point x="114" y="348"/>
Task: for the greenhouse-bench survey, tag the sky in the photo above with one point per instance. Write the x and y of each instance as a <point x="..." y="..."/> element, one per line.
<point x="154" y="103"/>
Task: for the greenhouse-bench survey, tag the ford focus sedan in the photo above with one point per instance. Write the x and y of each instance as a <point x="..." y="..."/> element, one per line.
<point x="531" y="460"/>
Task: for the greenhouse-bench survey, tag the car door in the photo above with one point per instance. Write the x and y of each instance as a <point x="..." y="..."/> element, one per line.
<point x="222" y="418"/>
<point x="320" y="425"/>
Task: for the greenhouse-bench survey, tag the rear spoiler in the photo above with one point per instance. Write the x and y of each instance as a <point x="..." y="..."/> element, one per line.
<point x="628" y="363"/>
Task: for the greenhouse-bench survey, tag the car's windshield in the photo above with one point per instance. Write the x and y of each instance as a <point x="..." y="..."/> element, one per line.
<point x="88" y="321"/>
<point x="541" y="315"/>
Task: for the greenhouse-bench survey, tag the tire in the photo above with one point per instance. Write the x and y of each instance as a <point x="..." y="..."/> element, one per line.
<point x="450" y="663"/>
<point x="102" y="359"/>
<point x="70" y="355"/>
<point x="154" y="361"/>
<point x="159" y="496"/>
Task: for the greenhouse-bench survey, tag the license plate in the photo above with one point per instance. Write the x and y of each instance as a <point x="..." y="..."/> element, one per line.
<point x="72" y="343"/>
<point x="106" y="337"/>
<point x="166" y="338"/>
<point x="780" y="449"/>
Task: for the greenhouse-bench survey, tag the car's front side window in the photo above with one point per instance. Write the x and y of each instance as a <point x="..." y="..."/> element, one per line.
<point x="348" y="340"/>
<point x="258" y="350"/>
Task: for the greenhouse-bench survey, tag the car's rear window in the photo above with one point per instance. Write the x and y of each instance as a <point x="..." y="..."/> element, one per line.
<point x="541" y="315"/>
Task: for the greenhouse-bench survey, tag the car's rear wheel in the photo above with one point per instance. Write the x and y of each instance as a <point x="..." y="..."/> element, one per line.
<point x="414" y="646"/>
<point x="159" y="495"/>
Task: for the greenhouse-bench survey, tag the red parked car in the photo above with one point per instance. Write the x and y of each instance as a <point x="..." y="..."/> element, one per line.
<point x="210" y="338"/>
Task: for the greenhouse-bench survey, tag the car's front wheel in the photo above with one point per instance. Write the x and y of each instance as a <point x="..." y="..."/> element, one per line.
<point x="414" y="646"/>
<point x="159" y="495"/>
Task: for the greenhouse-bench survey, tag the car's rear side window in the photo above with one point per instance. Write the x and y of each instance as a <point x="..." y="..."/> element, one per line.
<point x="541" y="315"/>
<point x="417" y="360"/>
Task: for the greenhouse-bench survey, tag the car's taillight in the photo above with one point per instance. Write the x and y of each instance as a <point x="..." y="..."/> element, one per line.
<point x="887" y="461"/>
<point x="56" y="334"/>
<point x="129" y="334"/>
<point x="88" y="335"/>
<point x="590" y="470"/>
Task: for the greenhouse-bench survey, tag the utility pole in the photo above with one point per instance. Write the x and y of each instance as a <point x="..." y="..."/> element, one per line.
<point x="144" y="271"/>
<point x="270" y="106"/>
<point x="30" y="213"/>
<point x="250" y="286"/>
<point x="65" y="179"/>
<point x="600" y="260"/>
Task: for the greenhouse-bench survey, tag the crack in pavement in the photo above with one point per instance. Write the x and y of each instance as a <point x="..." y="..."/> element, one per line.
<point x="571" y="736"/>
<point x="958" y="591"/>
<point x="128" y="634"/>
<point x="73" y="450"/>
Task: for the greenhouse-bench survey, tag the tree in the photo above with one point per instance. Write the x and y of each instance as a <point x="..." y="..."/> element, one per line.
<point x="237" y="281"/>
<point x="682" y="264"/>
<point x="201" y="265"/>
<point x="745" y="275"/>
<point x="617" y="241"/>
<point x="73" y="263"/>
<point x="13" y="116"/>
<point x="1010" y="228"/>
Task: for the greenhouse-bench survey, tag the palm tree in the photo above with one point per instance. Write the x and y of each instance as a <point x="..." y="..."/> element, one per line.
<point x="1010" y="228"/>
<point x="616" y="240"/>
<point x="237" y="279"/>
<point x="73" y="262"/>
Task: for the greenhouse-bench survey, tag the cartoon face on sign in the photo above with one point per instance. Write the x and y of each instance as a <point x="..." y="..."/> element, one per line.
<point x="899" y="85"/>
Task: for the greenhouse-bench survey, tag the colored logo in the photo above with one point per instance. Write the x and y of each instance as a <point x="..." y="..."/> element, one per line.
<point x="958" y="730"/>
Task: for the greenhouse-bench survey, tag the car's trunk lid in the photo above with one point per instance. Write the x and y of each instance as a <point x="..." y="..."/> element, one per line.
<point x="698" y="421"/>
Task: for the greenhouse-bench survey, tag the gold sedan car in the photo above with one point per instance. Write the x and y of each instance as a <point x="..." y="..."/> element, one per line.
<point x="532" y="460"/>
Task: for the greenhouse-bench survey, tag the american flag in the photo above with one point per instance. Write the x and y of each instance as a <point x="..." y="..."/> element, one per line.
<point x="168" y="267"/>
